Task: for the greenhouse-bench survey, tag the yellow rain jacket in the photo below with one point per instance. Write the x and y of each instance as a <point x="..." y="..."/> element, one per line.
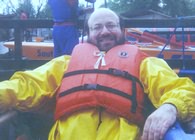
<point x="31" y="90"/>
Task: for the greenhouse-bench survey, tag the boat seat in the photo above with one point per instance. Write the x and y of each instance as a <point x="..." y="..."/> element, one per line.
<point x="179" y="131"/>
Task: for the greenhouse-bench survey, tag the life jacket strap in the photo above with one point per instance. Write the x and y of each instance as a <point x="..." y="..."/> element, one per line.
<point x="132" y="97"/>
<point x="110" y="71"/>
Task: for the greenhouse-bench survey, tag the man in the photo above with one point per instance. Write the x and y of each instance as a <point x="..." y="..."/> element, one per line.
<point x="100" y="93"/>
<point x="65" y="33"/>
<point x="23" y="15"/>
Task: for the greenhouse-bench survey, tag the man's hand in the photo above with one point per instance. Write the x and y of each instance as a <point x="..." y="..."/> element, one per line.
<point x="159" y="122"/>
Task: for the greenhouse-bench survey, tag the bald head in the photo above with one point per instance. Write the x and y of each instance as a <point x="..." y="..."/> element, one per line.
<point x="102" y="13"/>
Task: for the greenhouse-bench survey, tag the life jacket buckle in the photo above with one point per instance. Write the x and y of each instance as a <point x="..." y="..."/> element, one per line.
<point x="90" y="86"/>
<point x="117" y="72"/>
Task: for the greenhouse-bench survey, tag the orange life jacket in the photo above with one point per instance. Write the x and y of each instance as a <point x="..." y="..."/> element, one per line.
<point x="108" y="80"/>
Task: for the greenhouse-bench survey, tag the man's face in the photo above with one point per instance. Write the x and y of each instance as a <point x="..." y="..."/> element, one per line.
<point x="104" y="31"/>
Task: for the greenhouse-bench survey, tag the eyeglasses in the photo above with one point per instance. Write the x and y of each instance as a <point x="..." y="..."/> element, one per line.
<point x="100" y="27"/>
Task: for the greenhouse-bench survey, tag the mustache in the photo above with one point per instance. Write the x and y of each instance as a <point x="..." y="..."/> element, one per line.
<point x="119" y="41"/>
<point x="107" y="36"/>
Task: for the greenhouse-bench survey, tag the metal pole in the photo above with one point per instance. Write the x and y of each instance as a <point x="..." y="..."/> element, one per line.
<point x="105" y="2"/>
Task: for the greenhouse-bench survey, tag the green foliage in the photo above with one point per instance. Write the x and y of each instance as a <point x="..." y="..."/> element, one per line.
<point x="179" y="7"/>
<point x="45" y="12"/>
<point x="119" y="5"/>
<point x="172" y="8"/>
<point x="26" y="5"/>
<point x="133" y="5"/>
<point x="40" y="10"/>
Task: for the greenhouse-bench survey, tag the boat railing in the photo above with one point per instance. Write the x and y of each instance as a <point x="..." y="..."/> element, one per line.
<point x="17" y="62"/>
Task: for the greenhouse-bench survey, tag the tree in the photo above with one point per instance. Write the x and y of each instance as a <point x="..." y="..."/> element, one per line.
<point x="145" y="5"/>
<point x="14" y="7"/>
<point x="133" y="5"/>
<point x="45" y="12"/>
<point x="119" y="5"/>
<point x="7" y="7"/>
<point x="177" y="8"/>
<point x="172" y="8"/>
<point x="26" y="6"/>
<point x="42" y="10"/>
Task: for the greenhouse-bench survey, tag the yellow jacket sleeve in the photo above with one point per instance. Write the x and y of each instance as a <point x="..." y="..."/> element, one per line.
<point x="163" y="85"/>
<point x="30" y="90"/>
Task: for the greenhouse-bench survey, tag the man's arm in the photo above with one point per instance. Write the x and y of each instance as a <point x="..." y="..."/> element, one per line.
<point x="30" y="90"/>
<point x="173" y="96"/>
